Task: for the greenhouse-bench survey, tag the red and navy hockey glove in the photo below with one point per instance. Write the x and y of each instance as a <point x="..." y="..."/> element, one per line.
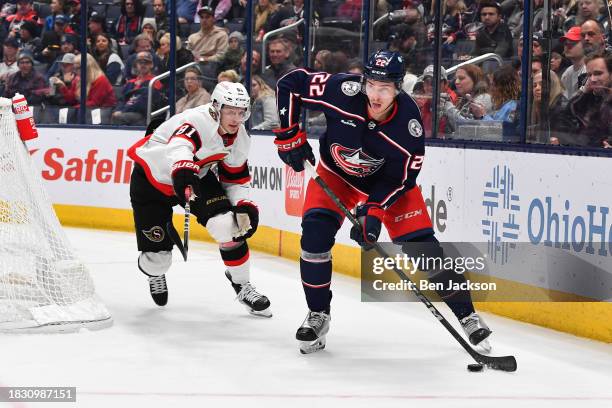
<point x="185" y="173"/>
<point x="293" y="147"/>
<point x="247" y="219"/>
<point x="370" y="217"/>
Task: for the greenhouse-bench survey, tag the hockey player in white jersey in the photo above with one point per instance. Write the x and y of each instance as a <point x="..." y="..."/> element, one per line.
<point x="205" y="148"/>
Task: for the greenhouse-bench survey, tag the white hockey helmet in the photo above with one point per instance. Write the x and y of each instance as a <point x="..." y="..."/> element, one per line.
<point x="231" y="94"/>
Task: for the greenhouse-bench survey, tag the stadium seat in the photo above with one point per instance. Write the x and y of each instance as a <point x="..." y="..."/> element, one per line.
<point x="125" y="50"/>
<point x="42" y="9"/>
<point x="236" y="24"/>
<point x="98" y="7"/>
<point x="118" y="92"/>
<point x="184" y="31"/>
<point x="37" y="113"/>
<point x="149" y="10"/>
<point x="51" y="114"/>
<point x="113" y="11"/>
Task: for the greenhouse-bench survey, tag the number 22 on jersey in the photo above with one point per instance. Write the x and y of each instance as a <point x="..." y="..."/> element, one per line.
<point x="317" y="84"/>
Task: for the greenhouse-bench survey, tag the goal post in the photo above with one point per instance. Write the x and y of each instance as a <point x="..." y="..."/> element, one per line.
<point x="43" y="284"/>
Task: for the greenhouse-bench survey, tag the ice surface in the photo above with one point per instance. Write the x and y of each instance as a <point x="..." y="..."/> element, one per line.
<point x="204" y="350"/>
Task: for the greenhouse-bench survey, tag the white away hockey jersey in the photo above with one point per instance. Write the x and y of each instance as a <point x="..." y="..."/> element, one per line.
<point x="193" y="135"/>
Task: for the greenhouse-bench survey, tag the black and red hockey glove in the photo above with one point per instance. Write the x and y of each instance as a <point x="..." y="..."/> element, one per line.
<point x="293" y="147"/>
<point x="247" y="219"/>
<point x="370" y="217"/>
<point x="185" y="173"/>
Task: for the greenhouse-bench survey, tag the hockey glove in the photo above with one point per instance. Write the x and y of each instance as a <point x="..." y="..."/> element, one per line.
<point x="185" y="173"/>
<point x="247" y="219"/>
<point x="293" y="147"/>
<point x="370" y="217"/>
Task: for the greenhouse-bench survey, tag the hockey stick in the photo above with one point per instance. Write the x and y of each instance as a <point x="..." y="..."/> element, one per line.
<point x="507" y="363"/>
<point x="186" y="223"/>
<point x="183" y="246"/>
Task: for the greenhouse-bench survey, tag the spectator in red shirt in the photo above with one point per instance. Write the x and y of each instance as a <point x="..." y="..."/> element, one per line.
<point x="100" y="92"/>
<point x="25" y="12"/>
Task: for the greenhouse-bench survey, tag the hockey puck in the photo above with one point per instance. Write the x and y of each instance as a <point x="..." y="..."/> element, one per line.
<point x="475" y="367"/>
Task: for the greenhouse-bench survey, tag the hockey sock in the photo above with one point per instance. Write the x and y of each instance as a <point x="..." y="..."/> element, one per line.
<point x="316" y="281"/>
<point x="235" y="256"/>
<point x="458" y="300"/>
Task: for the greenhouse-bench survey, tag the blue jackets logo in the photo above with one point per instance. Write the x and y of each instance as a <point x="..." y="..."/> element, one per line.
<point x="354" y="161"/>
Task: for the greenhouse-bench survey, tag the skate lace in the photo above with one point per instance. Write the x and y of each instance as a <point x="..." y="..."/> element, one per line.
<point x="471" y="323"/>
<point x="248" y="293"/>
<point x="158" y="284"/>
<point x="316" y="319"/>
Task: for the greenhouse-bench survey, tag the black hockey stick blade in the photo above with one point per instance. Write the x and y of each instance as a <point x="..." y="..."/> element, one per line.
<point x="176" y="239"/>
<point x="506" y="363"/>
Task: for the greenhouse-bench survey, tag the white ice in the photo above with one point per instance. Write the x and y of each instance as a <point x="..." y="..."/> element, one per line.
<point x="204" y="350"/>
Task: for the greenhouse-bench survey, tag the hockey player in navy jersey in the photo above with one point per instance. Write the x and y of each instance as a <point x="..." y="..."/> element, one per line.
<point x="371" y="154"/>
<point x="183" y="151"/>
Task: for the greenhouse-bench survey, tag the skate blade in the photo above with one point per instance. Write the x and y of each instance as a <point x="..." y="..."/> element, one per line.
<point x="260" y="313"/>
<point x="308" y="347"/>
<point x="485" y="346"/>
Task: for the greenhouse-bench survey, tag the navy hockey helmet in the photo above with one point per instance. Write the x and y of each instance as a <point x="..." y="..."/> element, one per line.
<point x="387" y="66"/>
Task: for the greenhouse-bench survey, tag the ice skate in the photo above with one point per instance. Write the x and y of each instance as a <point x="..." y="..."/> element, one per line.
<point x="159" y="289"/>
<point x="311" y="333"/>
<point x="256" y="303"/>
<point x="477" y="331"/>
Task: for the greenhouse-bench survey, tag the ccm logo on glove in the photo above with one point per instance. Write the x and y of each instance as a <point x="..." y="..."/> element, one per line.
<point x="286" y="145"/>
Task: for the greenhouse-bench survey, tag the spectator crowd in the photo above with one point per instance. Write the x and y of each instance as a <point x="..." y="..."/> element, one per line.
<point x="128" y="44"/>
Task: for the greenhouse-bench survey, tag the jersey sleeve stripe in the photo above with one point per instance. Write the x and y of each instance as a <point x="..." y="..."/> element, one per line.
<point x="232" y="169"/>
<point x="337" y="109"/>
<point x="211" y="159"/>
<point x="243" y="180"/>
<point x="291" y="96"/>
<point x="234" y="175"/>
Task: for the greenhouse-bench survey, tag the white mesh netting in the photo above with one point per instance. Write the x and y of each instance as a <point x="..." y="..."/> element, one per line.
<point x="42" y="283"/>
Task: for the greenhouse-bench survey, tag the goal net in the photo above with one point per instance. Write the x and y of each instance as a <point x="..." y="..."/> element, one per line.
<point x="43" y="285"/>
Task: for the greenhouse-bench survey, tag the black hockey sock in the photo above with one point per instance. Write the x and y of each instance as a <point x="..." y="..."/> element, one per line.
<point x="316" y="280"/>
<point x="458" y="300"/>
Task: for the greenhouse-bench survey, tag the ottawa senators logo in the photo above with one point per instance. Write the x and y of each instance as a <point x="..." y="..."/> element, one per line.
<point x="213" y="113"/>
<point x="355" y="162"/>
<point x="155" y="234"/>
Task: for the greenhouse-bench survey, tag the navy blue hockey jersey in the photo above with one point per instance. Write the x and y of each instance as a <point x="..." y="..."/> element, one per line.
<point x="380" y="159"/>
